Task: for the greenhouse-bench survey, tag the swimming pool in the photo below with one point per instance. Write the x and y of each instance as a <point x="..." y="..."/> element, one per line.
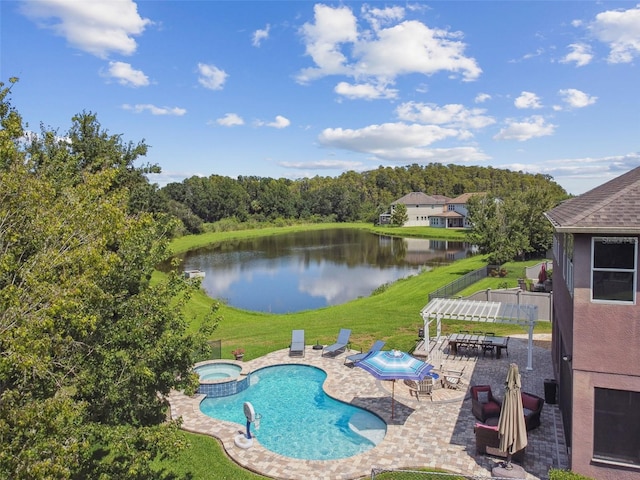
<point x="299" y="420"/>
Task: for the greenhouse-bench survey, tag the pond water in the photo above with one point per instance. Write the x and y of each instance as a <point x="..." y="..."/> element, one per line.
<point x="313" y="269"/>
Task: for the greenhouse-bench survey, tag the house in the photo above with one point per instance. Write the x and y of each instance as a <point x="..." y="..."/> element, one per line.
<point x="596" y="332"/>
<point x="432" y="211"/>
<point x="455" y="213"/>
<point x="419" y="207"/>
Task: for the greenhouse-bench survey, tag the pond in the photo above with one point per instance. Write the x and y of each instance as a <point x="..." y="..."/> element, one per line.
<point x="313" y="269"/>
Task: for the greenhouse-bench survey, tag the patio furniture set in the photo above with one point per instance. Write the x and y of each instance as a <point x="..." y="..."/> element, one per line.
<point x="478" y="341"/>
<point x="486" y="408"/>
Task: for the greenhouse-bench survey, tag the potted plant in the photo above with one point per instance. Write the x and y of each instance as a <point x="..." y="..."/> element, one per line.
<point x="238" y="353"/>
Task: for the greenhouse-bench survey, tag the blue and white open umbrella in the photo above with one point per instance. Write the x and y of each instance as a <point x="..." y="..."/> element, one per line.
<point x="395" y="365"/>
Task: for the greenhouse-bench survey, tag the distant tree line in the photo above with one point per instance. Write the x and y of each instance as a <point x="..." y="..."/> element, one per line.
<point x="349" y="197"/>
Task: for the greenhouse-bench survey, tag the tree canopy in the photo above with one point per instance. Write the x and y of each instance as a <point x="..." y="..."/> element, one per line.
<point x="88" y="345"/>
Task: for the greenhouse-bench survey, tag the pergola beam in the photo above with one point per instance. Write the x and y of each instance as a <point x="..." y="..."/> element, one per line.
<point x="478" y="311"/>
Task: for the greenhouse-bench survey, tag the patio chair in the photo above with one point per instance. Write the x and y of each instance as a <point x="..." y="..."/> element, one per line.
<point x="483" y="404"/>
<point x="422" y="387"/>
<point x="488" y="443"/>
<point x="355" y="358"/>
<point x="452" y="378"/>
<point x="487" y="346"/>
<point x="297" y="343"/>
<point x="341" y="343"/>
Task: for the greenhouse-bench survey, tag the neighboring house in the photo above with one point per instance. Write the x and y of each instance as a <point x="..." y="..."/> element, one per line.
<point x="433" y="211"/>
<point x="596" y="329"/>
<point x="419" y="207"/>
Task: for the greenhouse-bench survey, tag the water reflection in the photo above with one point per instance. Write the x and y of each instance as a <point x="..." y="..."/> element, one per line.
<point x="314" y="269"/>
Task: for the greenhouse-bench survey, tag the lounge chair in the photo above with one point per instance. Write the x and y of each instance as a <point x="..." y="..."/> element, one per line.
<point x="355" y="358"/>
<point x="341" y="342"/>
<point x="297" y="343"/>
<point x="422" y="387"/>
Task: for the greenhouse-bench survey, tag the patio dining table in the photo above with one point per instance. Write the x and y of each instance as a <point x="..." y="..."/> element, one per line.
<point x="482" y="341"/>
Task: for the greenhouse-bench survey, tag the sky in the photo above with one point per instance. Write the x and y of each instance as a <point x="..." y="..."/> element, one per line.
<point x="293" y="89"/>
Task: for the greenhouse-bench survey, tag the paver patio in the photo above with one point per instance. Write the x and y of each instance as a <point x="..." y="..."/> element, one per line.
<point x="437" y="434"/>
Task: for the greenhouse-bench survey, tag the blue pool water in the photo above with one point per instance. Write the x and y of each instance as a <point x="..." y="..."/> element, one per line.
<point x="298" y="419"/>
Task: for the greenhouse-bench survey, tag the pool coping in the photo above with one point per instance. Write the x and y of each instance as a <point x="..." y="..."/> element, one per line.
<point x="435" y="434"/>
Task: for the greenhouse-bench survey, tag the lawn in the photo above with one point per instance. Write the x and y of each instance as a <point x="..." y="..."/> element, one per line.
<point x="391" y="314"/>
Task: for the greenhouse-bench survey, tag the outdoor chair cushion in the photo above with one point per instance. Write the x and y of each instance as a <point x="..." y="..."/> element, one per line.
<point x="490" y="408"/>
<point x="488" y="442"/>
<point x="532" y="405"/>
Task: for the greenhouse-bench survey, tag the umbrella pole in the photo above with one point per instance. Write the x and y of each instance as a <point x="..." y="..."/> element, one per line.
<point x="393" y="392"/>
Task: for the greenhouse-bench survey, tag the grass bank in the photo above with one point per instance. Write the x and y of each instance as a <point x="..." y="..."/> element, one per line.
<point x="392" y="313"/>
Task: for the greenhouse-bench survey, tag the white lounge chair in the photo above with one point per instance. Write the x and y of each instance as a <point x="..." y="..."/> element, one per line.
<point x="297" y="343"/>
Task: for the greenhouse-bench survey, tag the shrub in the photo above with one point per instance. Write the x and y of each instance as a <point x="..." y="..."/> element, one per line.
<point x="556" y="474"/>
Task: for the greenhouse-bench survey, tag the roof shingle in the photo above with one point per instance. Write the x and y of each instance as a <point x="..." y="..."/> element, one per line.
<point x="613" y="207"/>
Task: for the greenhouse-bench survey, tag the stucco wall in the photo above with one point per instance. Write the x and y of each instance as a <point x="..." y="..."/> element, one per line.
<point x="604" y="342"/>
<point x="582" y="437"/>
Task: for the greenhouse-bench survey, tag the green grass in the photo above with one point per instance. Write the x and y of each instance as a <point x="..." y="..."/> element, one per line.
<point x="392" y="315"/>
<point x="204" y="459"/>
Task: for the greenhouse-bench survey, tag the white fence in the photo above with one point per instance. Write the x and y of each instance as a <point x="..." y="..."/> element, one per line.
<point x="543" y="300"/>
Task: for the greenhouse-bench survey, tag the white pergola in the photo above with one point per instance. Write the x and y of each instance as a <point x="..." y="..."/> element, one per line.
<point x="477" y="311"/>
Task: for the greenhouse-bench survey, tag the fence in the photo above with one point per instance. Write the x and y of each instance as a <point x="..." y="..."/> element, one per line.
<point x="461" y="283"/>
<point x="216" y="349"/>
<point x="543" y="300"/>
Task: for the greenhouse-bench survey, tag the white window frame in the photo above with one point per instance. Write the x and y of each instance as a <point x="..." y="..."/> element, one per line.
<point x="618" y="240"/>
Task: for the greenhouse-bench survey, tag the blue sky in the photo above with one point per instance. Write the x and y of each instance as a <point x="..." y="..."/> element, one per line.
<point x="300" y="88"/>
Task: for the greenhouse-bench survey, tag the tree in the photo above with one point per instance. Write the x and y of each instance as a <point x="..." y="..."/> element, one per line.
<point x="510" y="228"/>
<point x="88" y="345"/>
<point x="399" y="215"/>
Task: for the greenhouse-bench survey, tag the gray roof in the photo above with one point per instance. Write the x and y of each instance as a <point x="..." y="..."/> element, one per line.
<point x="613" y="208"/>
<point x="419" y="198"/>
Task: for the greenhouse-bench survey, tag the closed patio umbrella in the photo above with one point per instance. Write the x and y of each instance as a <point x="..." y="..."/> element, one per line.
<point x="512" y="429"/>
<point x="395" y="365"/>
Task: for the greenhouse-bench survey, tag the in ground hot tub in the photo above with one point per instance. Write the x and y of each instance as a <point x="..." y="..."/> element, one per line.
<point x="218" y="370"/>
<point x="220" y="379"/>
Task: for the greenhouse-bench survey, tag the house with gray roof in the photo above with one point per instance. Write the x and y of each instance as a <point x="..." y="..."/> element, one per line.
<point x="419" y="207"/>
<point x="432" y="210"/>
<point x="596" y="329"/>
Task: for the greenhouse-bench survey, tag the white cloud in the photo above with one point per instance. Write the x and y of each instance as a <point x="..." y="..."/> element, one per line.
<point x="323" y="165"/>
<point x="99" y="27"/>
<point x="620" y="30"/>
<point x="332" y="27"/>
<point x="230" y="120"/>
<point x="125" y="74"/>
<point x="365" y="91"/>
<point x="260" y="35"/>
<point x="453" y="115"/>
<point x="388" y="136"/>
<point x="382" y="16"/>
<point x="578" y="175"/>
<point x="527" y="100"/>
<point x="532" y="127"/>
<point x="576" y="99"/>
<point x="384" y="53"/>
<point x="482" y="97"/>
<point x="580" y="54"/>
<point x="400" y="143"/>
<point x="211" y="77"/>
<point x="279" y="122"/>
<point x="147" y="107"/>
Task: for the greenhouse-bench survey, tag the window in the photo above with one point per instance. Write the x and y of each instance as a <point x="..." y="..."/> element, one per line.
<point x="451" y="207"/>
<point x="616" y="426"/>
<point x="613" y="269"/>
